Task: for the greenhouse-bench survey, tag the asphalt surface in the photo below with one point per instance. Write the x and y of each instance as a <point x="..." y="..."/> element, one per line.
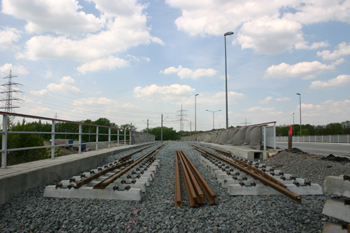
<point x="337" y="149"/>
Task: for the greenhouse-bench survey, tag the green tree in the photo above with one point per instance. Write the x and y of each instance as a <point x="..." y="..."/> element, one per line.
<point x="168" y="133"/>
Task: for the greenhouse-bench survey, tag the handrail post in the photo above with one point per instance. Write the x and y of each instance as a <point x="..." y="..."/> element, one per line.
<point x="118" y="137"/>
<point x="124" y="136"/>
<point x="80" y="132"/>
<point x="4" y="141"/>
<point x="264" y="137"/>
<point x="97" y="138"/>
<point x="274" y="136"/>
<point x="53" y="128"/>
<point x="109" y="137"/>
<point x="130" y="137"/>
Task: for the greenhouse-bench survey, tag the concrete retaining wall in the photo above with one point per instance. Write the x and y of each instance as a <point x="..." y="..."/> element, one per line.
<point x="19" y="178"/>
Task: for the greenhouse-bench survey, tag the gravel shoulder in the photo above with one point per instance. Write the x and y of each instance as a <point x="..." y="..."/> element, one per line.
<point x="31" y="212"/>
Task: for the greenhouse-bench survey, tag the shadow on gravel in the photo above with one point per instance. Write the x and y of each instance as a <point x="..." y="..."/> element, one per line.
<point x="333" y="158"/>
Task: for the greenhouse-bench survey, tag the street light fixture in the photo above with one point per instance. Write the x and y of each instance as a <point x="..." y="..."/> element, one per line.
<point x="195" y="115"/>
<point x="226" y="34"/>
<point x="300" y="109"/>
<point x="213" y="115"/>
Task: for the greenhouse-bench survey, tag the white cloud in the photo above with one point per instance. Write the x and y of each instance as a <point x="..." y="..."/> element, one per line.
<point x="265" y="26"/>
<point x="266" y="100"/>
<point x="188" y="73"/>
<point x="121" y="33"/>
<point x="8" y="36"/>
<point x="48" y="74"/>
<point x="65" y="86"/>
<point x="314" y="11"/>
<point x="270" y="35"/>
<point x="341" y="80"/>
<point x="282" y="99"/>
<point x="40" y="93"/>
<point x="305" y="70"/>
<point x="168" y="94"/>
<point x="343" y="49"/>
<point x="337" y="111"/>
<point x="61" y="17"/>
<point x="103" y="64"/>
<point x="316" y="45"/>
<point x="16" y="69"/>
<point x="114" y="8"/>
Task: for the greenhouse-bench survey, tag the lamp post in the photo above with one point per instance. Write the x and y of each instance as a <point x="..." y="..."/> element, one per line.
<point x="300" y="109"/>
<point x="226" y="34"/>
<point x="195" y="115"/>
<point x="213" y="115"/>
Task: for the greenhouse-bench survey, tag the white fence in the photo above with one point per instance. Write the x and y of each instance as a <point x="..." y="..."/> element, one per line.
<point x="341" y="138"/>
<point x="127" y="136"/>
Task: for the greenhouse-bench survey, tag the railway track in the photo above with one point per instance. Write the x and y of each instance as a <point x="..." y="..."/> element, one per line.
<point x="245" y="177"/>
<point x="123" y="174"/>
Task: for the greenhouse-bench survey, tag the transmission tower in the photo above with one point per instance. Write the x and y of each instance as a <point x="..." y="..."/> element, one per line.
<point x="8" y="101"/>
<point x="182" y="115"/>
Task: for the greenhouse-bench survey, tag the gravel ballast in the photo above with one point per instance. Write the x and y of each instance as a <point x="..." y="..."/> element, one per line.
<point x="31" y="212"/>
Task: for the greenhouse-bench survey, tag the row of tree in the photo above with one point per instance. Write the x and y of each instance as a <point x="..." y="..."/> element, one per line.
<point x="329" y="129"/>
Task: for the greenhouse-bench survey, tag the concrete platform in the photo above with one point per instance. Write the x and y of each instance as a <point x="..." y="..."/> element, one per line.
<point x="337" y="185"/>
<point x="336" y="208"/>
<point x="19" y="178"/>
<point x="242" y="151"/>
<point x="331" y="227"/>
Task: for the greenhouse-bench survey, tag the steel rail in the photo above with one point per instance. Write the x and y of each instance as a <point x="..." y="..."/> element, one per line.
<point x="267" y="176"/>
<point x="189" y="187"/>
<point x="96" y="175"/>
<point x="178" y="199"/>
<point x="104" y="183"/>
<point x="193" y="180"/>
<point x="273" y="185"/>
<point x="209" y="193"/>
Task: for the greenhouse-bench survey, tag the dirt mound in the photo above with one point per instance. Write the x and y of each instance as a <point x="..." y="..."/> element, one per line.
<point x="333" y="158"/>
<point x="296" y="151"/>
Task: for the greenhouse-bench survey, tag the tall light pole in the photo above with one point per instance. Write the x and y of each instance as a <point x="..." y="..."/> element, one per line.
<point x="226" y="34"/>
<point x="195" y="115"/>
<point x="213" y="115"/>
<point x="300" y="109"/>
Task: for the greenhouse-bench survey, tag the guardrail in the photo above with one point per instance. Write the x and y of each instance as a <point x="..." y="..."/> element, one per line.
<point x="131" y="137"/>
<point x="339" y="138"/>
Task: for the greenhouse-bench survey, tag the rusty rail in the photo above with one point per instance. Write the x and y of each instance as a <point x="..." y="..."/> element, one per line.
<point x="258" y="176"/>
<point x="178" y="199"/>
<point x="104" y="183"/>
<point x="127" y="157"/>
<point x="194" y="182"/>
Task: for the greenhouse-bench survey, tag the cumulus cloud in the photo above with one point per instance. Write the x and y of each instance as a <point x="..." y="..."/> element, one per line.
<point x="282" y="99"/>
<point x="108" y="63"/>
<point x="265" y="27"/>
<point x="8" y="36"/>
<point x="65" y="86"/>
<point x="40" y="93"/>
<point x="266" y="100"/>
<point x="16" y="69"/>
<point x="168" y="94"/>
<point x="343" y="49"/>
<point x="120" y="34"/>
<point x="341" y="80"/>
<point x="305" y="70"/>
<point x="188" y="73"/>
<point x="61" y="17"/>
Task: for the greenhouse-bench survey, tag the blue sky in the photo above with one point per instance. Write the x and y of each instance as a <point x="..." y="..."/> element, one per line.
<point x="130" y="60"/>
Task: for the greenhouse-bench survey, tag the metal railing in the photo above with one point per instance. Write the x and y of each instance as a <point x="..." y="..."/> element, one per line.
<point x="138" y="138"/>
<point x="339" y="138"/>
